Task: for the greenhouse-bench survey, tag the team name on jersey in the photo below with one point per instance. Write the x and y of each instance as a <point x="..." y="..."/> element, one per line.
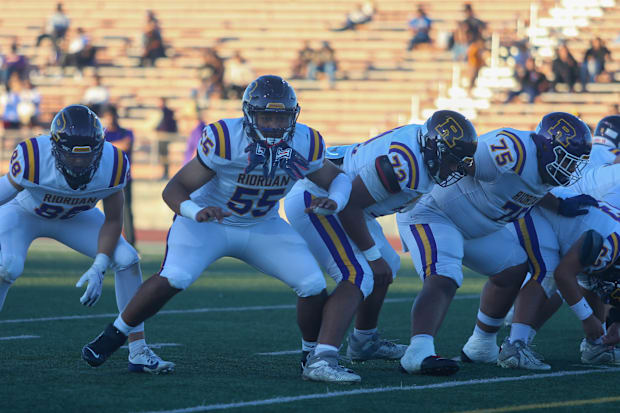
<point x="58" y="199"/>
<point x="525" y="199"/>
<point x="259" y="180"/>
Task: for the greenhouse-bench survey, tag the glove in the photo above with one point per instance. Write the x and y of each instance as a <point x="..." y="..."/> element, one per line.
<point x="94" y="276"/>
<point x="574" y="206"/>
<point x="290" y="160"/>
<point x="258" y="154"/>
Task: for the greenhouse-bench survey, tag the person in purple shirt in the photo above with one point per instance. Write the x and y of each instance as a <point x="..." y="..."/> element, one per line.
<point x="123" y="139"/>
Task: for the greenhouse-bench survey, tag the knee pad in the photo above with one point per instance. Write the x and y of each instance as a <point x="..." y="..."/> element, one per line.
<point x="11" y="267"/>
<point x="310" y="285"/>
<point x="124" y="256"/>
<point x="548" y="285"/>
<point x="179" y="279"/>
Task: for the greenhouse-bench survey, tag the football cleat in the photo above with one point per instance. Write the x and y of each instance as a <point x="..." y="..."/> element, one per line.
<point x="324" y="367"/>
<point x="373" y="348"/>
<point x="480" y="351"/>
<point x="598" y="353"/>
<point x="97" y="351"/>
<point x="304" y="358"/>
<point x="431" y="365"/>
<point x="146" y="361"/>
<point x="519" y="355"/>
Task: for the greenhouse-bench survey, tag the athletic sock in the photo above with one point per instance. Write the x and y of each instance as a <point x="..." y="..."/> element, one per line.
<point x="519" y="331"/>
<point x="136" y="346"/>
<point x="321" y="348"/>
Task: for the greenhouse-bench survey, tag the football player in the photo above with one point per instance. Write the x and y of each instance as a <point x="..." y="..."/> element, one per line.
<point x="225" y="207"/>
<point x="51" y="190"/>
<point x="390" y="172"/>
<point x="513" y="170"/>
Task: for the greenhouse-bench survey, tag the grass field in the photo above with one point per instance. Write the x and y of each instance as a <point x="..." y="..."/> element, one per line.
<point x="222" y="324"/>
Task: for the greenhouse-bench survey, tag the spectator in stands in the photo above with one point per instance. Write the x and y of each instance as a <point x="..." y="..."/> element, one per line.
<point x="80" y="53"/>
<point x="323" y="60"/>
<point x="531" y="81"/>
<point x="238" y="74"/>
<point x="475" y="60"/>
<point x="194" y="136"/>
<point x="565" y="68"/>
<point x="523" y="53"/>
<point x="459" y="42"/>
<point x="593" y="66"/>
<point x="474" y="27"/>
<point x="15" y="63"/>
<point x="152" y="43"/>
<point x="419" y="27"/>
<point x="362" y="14"/>
<point x="304" y="57"/>
<point x="123" y="139"/>
<point x="167" y="124"/>
<point x="29" y="106"/>
<point x="96" y="97"/>
<point x="55" y="30"/>
<point x="9" y="102"/>
<point x="211" y="74"/>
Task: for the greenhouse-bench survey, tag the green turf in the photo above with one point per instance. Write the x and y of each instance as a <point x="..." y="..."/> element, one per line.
<point x="217" y="361"/>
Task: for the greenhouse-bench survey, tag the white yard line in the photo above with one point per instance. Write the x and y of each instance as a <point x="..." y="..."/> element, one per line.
<point x="202" y="310"/>
<point x="448" y="384"/>
<point x="279" y="353"/>
<point x="18" y="337"/>
<point x="160" y="345"/>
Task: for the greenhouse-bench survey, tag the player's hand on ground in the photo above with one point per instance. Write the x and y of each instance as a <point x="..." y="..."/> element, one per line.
<point x="94" y="278"/>
<point x="322" y="206"/>
<point x="592" y="327"/>
<point x="210" y="213"/>
<point x="382" y="272"/>
<point x="613" y="335"/>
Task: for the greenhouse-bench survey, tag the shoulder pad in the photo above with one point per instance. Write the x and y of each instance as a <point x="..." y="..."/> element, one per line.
<point x="386" y="174"/>
<point x="591" y="248"/>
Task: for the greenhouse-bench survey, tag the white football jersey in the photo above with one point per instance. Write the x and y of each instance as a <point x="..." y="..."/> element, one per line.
<point x="46" y="192"/>
<point x="506" y="185"/>
<point x="402" y="148"/>
<point x="250" y="197"/>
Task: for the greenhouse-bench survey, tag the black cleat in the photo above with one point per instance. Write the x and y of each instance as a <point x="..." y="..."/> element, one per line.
<point x="97" y="351"/>
<point x="438" y="366"/>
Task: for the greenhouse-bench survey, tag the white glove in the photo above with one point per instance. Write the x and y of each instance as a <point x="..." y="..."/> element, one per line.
<point x="94" y="276"/>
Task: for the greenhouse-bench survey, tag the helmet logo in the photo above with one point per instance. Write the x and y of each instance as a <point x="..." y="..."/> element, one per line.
<point x="81" y="149"/>
<point x="562" y="132"/>
<point x="450" y="131"/>
<point x="275" y="105"/>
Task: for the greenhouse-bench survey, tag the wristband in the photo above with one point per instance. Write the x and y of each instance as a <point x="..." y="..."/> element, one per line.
<point x="189" y="209"/>
<point x="101" y="261"/>
<point x="372" y="253"/>
<point x="582" y="309"/>
<point x="340" y="190"/>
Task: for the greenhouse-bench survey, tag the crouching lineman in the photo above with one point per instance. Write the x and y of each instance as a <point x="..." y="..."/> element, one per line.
<point x="390" y="172"/>
<point x="51" y="190"/>
<point x="512" y="171"/>
<point x="231" y="210"/>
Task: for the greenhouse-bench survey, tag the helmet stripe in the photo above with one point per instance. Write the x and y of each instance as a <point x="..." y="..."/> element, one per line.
<point x="412" y="162"/>
<point x="520" y="148"/>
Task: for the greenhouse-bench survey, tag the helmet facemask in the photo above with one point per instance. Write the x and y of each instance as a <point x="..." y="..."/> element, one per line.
<point x="566" y="169"/>
<point x="270" y="125"/>
<point x="77" y="163"/>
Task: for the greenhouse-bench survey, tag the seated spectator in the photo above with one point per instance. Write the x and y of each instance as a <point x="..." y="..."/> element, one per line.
<point x="96" y="97"/>
<point x="152" y="43"/>
<point x="474" y="27"/>
<point x="80" y="53"/>
<point x="304" y="57"/>
<point x="459" y="43"/>
<point x="29" y="106"/>
<point x="323" y="60"/>
<point x="123" y="139"/>
<point x="419" y="27"/>
<point x="9" y="102"/>
<point x="168" y="125"/>
<point x="361" y="15"/>
<point x="593" y="66"/>
<point x="15" y="63"/>
<point x="565" y="68"/>
<point x="531" y="82"/>
<point x="238" y="74"/>
<point x="55" y="30"/>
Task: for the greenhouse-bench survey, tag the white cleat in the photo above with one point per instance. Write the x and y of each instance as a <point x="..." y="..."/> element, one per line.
<point x="146" y="361"/>
<point x="518" y="355"/>
<point x="325" y="367"/>
<point x="374" y="348"/>
<point x="477" y="350"/>
<point x="598" y="353"/>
